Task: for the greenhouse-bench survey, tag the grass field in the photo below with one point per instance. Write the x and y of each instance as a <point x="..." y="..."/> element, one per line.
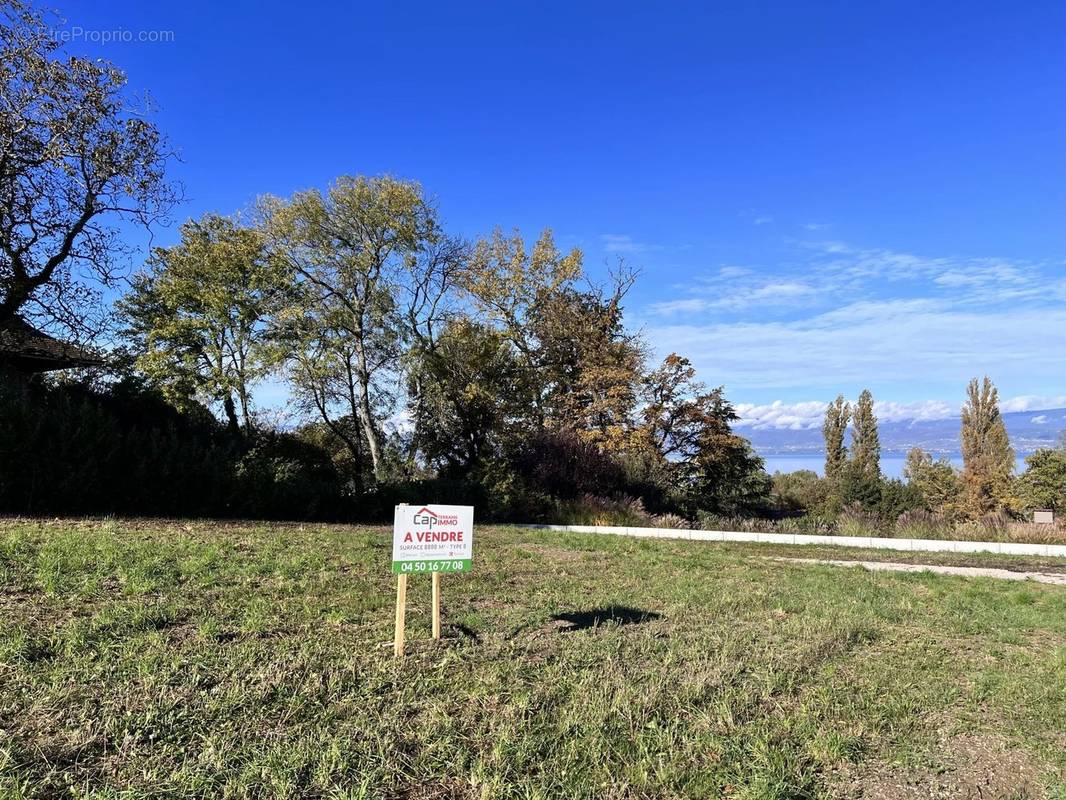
<point x="211" y="660"/>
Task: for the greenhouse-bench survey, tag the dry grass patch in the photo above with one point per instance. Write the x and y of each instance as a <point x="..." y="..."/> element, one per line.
<point x="964" y="767"/>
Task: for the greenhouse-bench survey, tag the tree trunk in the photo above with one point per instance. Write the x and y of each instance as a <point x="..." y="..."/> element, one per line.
<point x="245" y="412"/>
<point x="366" y="417"/>
<point x="231" y="415"/>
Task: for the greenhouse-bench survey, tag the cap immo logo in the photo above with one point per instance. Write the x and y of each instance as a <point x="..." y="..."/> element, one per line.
<point x="428" y="518"/>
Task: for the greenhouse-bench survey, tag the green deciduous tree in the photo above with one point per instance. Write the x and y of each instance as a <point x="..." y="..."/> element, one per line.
<point x="1043" y="485"/>
<point x="936" y="481"/>
<point x="589" y="367"/>
<point x="199" y="315"/>
<point x="799" y="490"/>
<point x="510" y="287"/>
<point x="988" y="458"/>
<point x="896" y="497"/>
<point x="371" y="267"/>
<point x="468" y="404"/>
<point x="580" y="369"/>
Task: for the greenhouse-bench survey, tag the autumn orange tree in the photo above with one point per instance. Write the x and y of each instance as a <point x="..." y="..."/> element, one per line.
<point x="574" y="368"/>
<point x="988" y="458"/>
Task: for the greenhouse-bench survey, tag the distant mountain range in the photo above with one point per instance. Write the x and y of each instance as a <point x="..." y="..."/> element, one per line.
<point x="1028" y="431"/>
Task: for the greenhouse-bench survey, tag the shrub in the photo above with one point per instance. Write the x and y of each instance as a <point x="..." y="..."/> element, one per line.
<point x="648" y="476"/>
<point x="595" y="510"/>
<point x="673" y="521"/>
<point x="854" y="520"/>
<point x="73" y="449"/>
<point x="995" y="525"/>
<point x="280" y="476"/>
<point x="922" y="524"/>
<point x="898" y="498"/>
<point x="992" y="527"/>
<point x="859" y="490"/>
<point x="719" y="522"/>
<point x="1032" y="533"/>
<point x="801" y="490"/>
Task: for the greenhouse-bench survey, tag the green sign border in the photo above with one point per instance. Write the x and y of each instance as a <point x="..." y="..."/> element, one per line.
<point x="425" y="567"/>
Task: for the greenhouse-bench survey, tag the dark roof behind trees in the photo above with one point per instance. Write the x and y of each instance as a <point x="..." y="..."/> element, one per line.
<point x="26" y="349"/>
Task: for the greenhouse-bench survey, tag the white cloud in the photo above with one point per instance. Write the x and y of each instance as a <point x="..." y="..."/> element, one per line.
<point x="810" y="414"/>
<point x="624" y="243"/>
<point x="901" y="341"/>
<point x="733" y="272"/>
<point x="793" y="416"/>
<point x="781" y="289"/>
<point x="677" y="306"/>
<point x="962" y="279"/>
<point x="889" y="411"/>
<point x="766" y="294"/>
<point x="829" y="247"/>
<point x="877" y="311"/>
<point x="837" y="316"/>
<point x="763" y="220"/>
<point x="1032" y="402"/>
<point x="979" y="274"/>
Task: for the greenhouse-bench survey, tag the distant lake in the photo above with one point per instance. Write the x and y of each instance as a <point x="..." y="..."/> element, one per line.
<point x="891" y="464"/>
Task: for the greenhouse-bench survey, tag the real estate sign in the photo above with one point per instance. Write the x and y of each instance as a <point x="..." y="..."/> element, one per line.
<point x="432" y="539"/>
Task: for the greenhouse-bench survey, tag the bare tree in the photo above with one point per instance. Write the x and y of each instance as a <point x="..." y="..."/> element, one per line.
<point x="73" y="158"/>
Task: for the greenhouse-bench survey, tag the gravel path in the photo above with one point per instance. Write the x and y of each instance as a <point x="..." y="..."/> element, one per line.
<point x="965" y="572"/>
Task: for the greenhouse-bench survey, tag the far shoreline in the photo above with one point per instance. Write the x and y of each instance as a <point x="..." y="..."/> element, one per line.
<point x="892" y="464"/>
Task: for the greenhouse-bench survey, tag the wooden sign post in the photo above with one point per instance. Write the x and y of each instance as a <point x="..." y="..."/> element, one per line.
<point x="401" y="613"/>
<point x="436" y="605"/>
<point x="433" y="539"/>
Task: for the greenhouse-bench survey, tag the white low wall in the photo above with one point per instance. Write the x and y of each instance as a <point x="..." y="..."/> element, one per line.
<point x="930" y="545"/>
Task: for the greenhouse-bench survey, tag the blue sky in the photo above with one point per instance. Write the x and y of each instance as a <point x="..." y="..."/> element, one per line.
<point x="822" y="196"/>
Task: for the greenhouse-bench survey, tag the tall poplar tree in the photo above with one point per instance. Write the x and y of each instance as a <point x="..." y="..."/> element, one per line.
<point x="837" y="416"/>
<point x="988" y="458"/>
<point x="865" y="444"/>
<point x="861" y="479"/>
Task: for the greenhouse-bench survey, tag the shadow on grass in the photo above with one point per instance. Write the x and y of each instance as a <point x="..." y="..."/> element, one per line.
<point x="464" y="631"/>
<point x="622" y="615"/>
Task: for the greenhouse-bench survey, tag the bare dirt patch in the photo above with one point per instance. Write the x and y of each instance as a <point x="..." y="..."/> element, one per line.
<point x="968" y="767"/>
